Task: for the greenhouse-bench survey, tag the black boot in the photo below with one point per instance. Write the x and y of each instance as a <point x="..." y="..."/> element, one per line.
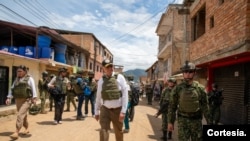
<point x="164" y="137"/>
<point x="169" y="135"/>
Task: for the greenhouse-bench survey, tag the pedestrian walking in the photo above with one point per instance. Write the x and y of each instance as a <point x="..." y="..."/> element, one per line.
<point x="91" y="98"/>
<point x="111" y="102"/>
<point x="81" y="83"/>
<point x="70" y="94"/>
<point x="164" y="102"/>
<point x="43" y="90"/>
<point x="215" y="99"/>
<point x="57" y="87"/>
<point x="23" y="90"/>
<point x="189" y="100"/>
<point x="149" y="93"/>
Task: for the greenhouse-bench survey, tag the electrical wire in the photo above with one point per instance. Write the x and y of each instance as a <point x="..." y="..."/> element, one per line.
<point x="18" y="14"/>
<point x="140" y="25"/>
<point x="48" y="12"/>
<point x="31" y="11"/>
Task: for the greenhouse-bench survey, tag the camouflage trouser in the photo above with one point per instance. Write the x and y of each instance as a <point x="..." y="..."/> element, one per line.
<point x="70" y="98"/>
<point x="51" y="101"/>
<point x="149" y="97"/>
<point x="214" y="114"/>
<point x="164" y="121"/>
<point x="43" y="96"/>
<point x="189" y="129"/>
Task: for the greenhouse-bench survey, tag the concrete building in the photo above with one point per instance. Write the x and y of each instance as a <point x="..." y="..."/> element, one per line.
<point x="172" y="49"/>
<point x="89" y="42"/>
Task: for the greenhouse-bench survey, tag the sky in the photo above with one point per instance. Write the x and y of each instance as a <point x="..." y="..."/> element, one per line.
<point x="125" y="27"/>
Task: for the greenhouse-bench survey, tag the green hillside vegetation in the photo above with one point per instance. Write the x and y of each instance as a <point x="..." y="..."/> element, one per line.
<point x="137" y="73"/>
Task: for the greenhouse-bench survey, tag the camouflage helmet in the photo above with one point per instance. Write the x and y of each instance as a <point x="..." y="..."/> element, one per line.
<point x="34" y="110"/>
<point x="45" y="74"/>
<point x="172" y="79"/>
<point x="188" y="66"/>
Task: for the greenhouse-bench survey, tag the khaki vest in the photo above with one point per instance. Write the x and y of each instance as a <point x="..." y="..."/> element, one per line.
<point x="110" y="89"/>
<point x="22" y="89"/>
<point x="61" y="84"/>
<point x="76" y="88"/>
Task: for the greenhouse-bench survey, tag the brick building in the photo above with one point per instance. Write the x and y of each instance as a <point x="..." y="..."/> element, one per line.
<point x="217" y="36"/>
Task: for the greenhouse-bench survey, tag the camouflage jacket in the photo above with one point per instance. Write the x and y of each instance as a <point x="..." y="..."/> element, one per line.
<point x="175" y="101"/>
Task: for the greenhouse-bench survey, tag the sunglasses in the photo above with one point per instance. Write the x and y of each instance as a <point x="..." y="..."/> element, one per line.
<point x="189" y="71"/>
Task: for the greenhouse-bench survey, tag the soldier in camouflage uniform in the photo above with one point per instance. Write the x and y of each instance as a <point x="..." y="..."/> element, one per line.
<point x="70" y="94"/>
<point x="215" y="99"/>
<point x="43" y="90"/>
<point x="190" y="100"/>
<point x="149" y="93"/>
<point x="51" y="100"/>
<point x="164" y="102"/>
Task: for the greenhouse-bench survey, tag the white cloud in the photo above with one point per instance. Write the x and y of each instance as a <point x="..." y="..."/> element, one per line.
<point x="125" y="27"/>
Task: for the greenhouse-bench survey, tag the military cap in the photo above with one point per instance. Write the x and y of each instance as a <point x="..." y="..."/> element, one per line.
<point x="63" y="69"/>
<point x="107" y="62"/>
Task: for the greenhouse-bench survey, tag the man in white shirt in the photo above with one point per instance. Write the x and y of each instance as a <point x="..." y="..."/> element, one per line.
<point x="23" y="90"/>
<point x="111" y="102"/>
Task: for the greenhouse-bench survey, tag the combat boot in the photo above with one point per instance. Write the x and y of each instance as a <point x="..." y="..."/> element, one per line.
<point x="169" y="135"/>
<point x="164" y="137"/>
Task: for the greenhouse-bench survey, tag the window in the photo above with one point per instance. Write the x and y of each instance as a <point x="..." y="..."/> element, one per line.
<point x="90" y="65"/>
<point x="212" y="22"/>
<point x="198" y="23"/>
